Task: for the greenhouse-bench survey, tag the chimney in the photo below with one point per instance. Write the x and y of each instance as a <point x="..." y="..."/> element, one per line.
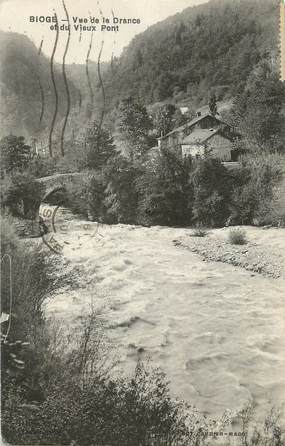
<point x="198" y="114"/>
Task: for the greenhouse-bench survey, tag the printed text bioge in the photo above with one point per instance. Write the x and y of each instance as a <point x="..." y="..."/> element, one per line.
<point x="86" y="24"/>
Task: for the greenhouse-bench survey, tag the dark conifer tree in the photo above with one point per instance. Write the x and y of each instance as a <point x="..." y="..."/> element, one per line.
<point x="100" y="146"/>
<point x="213" y="104"/>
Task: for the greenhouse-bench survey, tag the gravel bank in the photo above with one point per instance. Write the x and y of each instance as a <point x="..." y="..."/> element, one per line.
<point x="258" y="255"/>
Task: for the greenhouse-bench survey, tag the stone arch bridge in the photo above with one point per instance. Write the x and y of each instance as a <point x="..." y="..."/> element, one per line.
<point x="51" y="184"/>
<point x="60" y="181"/>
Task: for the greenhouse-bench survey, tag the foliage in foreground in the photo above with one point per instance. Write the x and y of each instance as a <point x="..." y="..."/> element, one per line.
<point x="24" y="288"/>
<point x="103" y="412"/>
<point x="33" y="277"/>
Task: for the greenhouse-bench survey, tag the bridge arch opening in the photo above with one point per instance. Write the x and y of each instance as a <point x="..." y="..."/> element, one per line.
<point x="57" y="196"/>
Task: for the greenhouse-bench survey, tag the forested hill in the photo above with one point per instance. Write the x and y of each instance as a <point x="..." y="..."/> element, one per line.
<point x="211" y="46"/>
<point x="28" y="100"/>
<point x="216" y="44"/>
<point x="27" y="94"/>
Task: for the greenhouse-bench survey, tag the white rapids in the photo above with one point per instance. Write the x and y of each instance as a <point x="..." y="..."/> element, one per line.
<point x="218" y="331"/>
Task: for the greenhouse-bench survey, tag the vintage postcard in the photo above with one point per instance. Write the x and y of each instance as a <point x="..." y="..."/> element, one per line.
<point x="142" y="222"/>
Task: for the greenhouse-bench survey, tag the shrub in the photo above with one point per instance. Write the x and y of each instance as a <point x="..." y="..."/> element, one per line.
<point x="266" y="433"/>
<point x="237" y="236"/>
<point x="199" y="231"/>
<point x="33" y="275"/>
<point x="82" y="404"/>
<point x="22" y="196"/>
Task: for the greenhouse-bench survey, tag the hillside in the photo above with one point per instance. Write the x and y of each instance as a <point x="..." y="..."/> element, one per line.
<point x="27" y="94"/>
<point x="214" y="45"/>
<point x="180" y="60"/>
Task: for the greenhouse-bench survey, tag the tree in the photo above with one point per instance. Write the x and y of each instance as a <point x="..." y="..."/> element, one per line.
<point x="213" y="104"/>
<point x="120" y="193"/>
<point x="163" y="86"/>
<point x="23" y="196"/>
<point x="178" y="36"/>
<point x="96" y="197"/>
<point x="134" y="125"/>
<point x="138" y="59"/>
<point x="212" y="189"/>
<point x="164" y="119"/>
<point x="15" y="154"/>
<point x="253" y="197"/>
<point x="165" y="192"/>
<point x="100" y="147"/>
<point x="257" y="111"/>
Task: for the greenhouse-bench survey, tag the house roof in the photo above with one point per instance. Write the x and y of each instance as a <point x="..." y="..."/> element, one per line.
<point x="201" y="136"/>
<point x="191" y="123"/>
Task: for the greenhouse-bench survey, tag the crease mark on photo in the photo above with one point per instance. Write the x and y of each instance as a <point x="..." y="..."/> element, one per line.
<point x="37" y="75"/>
<point x="54" y="85"/>
<point x="40" y="47"/>
<point x="65" y="81"/>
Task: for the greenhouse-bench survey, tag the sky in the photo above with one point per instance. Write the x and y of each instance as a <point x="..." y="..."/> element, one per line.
<point x="15" y="16"/>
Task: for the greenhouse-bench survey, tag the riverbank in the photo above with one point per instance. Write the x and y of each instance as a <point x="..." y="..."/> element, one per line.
<point x="263" y="253"/>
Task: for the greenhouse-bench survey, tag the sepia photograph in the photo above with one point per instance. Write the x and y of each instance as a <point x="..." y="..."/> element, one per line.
<point x="142" y="222"/>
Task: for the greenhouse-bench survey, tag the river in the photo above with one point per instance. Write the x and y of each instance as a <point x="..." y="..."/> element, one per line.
<point x="218" y="331"/>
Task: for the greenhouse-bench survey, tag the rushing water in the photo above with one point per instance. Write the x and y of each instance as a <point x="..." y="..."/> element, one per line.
<point x="218" y="331"/>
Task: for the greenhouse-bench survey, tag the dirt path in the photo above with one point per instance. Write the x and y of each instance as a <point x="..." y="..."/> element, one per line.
<point x="217" y="330"/>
